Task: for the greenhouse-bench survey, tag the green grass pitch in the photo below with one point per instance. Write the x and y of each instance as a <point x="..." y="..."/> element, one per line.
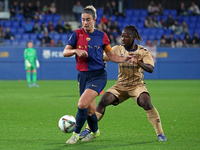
<point x="29" y="117"/>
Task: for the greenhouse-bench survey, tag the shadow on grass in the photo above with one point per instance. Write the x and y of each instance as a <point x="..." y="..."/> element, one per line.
<point x="94" y="145"/>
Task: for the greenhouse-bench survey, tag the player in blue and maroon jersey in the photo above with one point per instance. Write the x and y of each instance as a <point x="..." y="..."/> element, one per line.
<point x="88" y="45"/>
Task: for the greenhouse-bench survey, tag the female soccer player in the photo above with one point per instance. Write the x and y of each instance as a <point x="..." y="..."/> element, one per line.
<point x="88" y="44"/>
<point x="31" y="63"/>
<point x="130" y="82"/>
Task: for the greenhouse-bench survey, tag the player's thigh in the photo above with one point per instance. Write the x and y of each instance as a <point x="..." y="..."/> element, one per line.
<point x="86" y="98"/>
<point x="119" y="92"/>
<point x="135" y="93"/>
<point x="95" y="80"/>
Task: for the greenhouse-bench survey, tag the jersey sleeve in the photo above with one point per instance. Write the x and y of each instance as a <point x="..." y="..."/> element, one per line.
<point x="35" y="55"/>
<point x="115" y="49"/>
<point x="73" y="40"/>
<point x="25" y="54"/>
<point x="106" y="43"/>
<point x="148" y="58"/>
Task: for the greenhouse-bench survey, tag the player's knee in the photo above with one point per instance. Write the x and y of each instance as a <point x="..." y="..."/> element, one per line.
<point x="82" y="105"/>
<point x="103" y="102"/>
<point x="145" y="101"/>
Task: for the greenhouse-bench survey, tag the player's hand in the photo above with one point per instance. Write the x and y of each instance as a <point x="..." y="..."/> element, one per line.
<point x="128" y="60"/>
<point x="134" y="57"/>
<point x="37" y="64"/>
<point x="81" y="53"/>
<point x="28" y="65"/>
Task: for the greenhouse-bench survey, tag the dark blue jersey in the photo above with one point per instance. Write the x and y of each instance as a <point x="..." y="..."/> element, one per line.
<point x="94" y="43"/>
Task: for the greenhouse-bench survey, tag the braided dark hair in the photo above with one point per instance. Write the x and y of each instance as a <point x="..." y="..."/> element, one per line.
<point x="134" y="32"/>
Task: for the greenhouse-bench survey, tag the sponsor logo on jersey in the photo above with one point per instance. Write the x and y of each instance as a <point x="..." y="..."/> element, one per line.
<point x="88" y="39"/>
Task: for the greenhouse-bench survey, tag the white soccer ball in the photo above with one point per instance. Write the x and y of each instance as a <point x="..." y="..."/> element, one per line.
<point x="67" y="123"/>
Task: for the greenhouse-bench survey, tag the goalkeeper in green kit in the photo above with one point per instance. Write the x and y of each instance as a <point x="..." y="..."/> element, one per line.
<point x="31" y="63"/>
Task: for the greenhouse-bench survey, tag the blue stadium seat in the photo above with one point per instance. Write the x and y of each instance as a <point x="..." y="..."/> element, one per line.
<point x="198" y="31"/>
<point x="99" y="13"/>
<point x="144" y="37"/>
<point x="192" y="25"/>
<point x="7" y="24"/>
<point x="168" y="31"/>
<point x="158" y="37"/>
<point x="33" y="37"/>
<point x="186" y="19"/>
<point x="56" y="37"/>
<point x="15" y="24"/>
<point x="136" y="12"/>
<point x="153" y="31"/>
<point x="114" y="17"/>
<point x="120" y="19"/>
<point x="193" y="19"/>
<point x="151" y="37"/>
<point x="198" y="25"/>
<point x="19" y="17"/>
<point x="20" y="30"/>
<point x="37" y="42"/>
<point x="140" y="25"/>
<point x="15" y="42"/>
<point x="134" y="19"/>
<point x="173" y="12"/>
<point x="48" y="18"/>
<point x="23" y="23"/>
<point x="25" y="36"/>
<point x="18" y="36"/>
<point x="160" y="31"/>
<point x="181" y="36"/>
<point x="13" y="30"/>
<point x="198" y="19"/>
<point x="166" y="12"/>
<point x="129" y="12"/>
<point x="23" y="42"/>
<point x="141" y="18"/>
<point x="56" y="18"/>
<point x="143" y="12"/>
<point x="40" y="35"/>
<point x="145" y="31"/>
<point x="7" y="42"/>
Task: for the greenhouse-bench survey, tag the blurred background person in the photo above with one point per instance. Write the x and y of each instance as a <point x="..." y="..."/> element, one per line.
<point x="31" y="63"/>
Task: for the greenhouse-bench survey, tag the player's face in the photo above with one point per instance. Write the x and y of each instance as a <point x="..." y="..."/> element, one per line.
<point x="30" y="45"/>
<point x="127" y="38"/>
<point x="87" y="22"/>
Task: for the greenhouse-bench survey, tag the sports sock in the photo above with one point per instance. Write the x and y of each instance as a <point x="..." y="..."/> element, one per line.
<point x="93" y="122"/>
<point x="81" y="117"/>
<point x="34" y="77"/>
<point x="154" y="119"/>
<point x="99" y="116"/>
<point x="28" y="77"/>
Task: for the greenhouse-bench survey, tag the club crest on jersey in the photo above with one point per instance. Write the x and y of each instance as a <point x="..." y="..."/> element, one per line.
<point x="88" y="39"/>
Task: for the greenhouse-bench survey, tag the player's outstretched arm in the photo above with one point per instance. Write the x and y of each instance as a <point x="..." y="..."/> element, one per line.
<point x="118" y="59"/>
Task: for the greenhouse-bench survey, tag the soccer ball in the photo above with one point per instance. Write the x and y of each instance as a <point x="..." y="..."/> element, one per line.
<point x="67" y="123"/>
